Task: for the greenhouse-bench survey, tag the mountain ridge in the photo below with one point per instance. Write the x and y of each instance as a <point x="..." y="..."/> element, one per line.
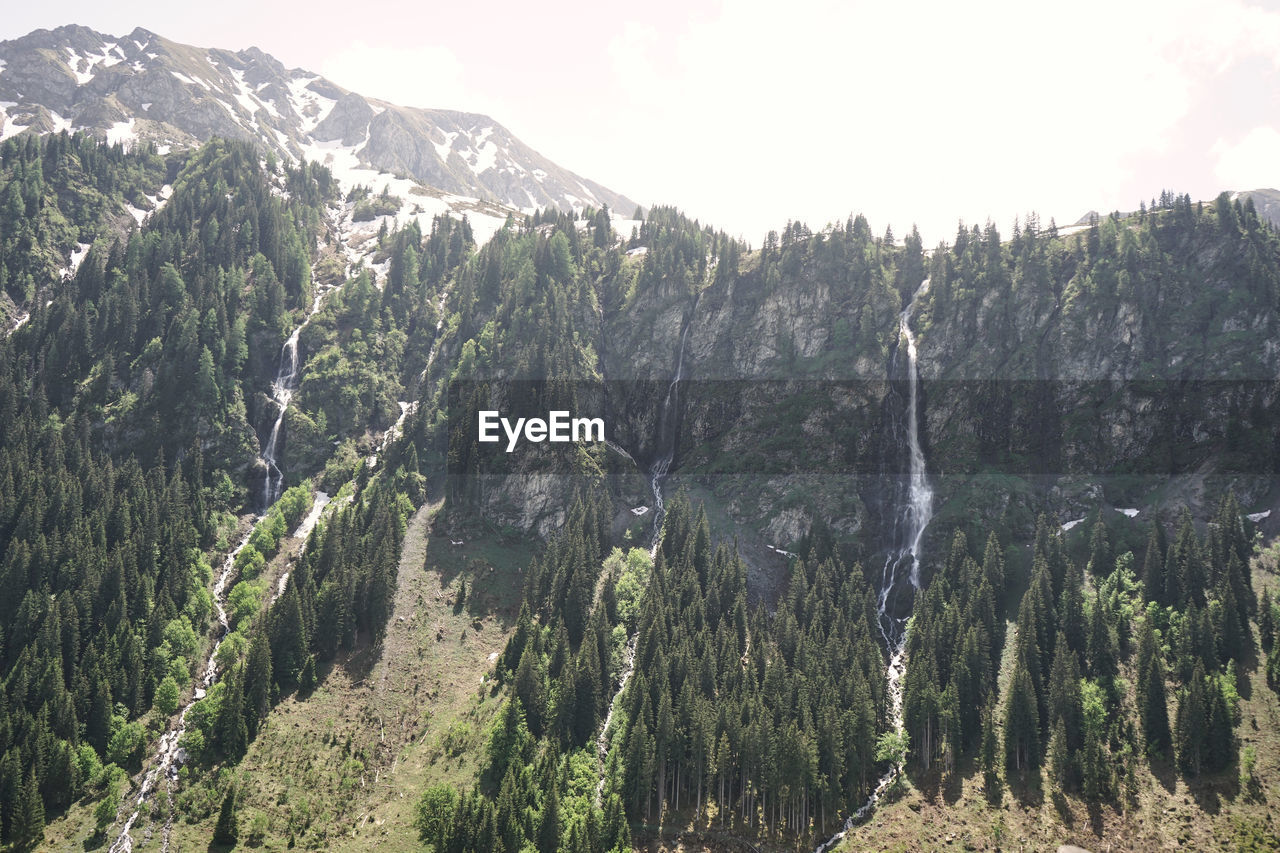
<point x="145" y="87"/>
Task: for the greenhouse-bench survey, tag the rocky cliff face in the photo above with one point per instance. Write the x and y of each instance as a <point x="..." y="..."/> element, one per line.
<point x="1133" y="364"/>
<point x="145" y="87"/>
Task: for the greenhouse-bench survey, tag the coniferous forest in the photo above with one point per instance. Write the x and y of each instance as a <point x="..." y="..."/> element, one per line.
<point x="709" y="629"/>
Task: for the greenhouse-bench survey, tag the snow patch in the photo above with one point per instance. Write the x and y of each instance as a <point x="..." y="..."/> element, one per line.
<point x="59" y="123"/>
<point x="486" y="153"/>
<point x="1128" y="512"/>
<point x="447" y="148"/>
<point x="78" y="255"/>
<point x="1259" y="516"/>
<point x="137" y="214"/>
<point x="147" y="106"/>
<point x="91" y="61"/>
<point x="10" y="128"/>
<point x="310" y="106"/>
<point x="190" y="81"/>
<point x="251" y="102"/>
<point x="417" y="202"/>
<point x="122" y="132"/>
<point x="73" y="63"/>
<point x="1071" y="524"/>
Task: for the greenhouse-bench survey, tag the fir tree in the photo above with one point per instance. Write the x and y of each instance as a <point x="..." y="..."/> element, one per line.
<point x="257" y="677"/>
<point x="27" y="826"/>
<point x="1153" y="711"/>
<point x="1021" y="723"/>
<point x="1191" y="724"/>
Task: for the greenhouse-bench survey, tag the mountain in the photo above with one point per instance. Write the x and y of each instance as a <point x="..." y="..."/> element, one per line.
<point x="972" y="539"/>
<point x="145" y="87"/>
<point x="1266" y="201"/>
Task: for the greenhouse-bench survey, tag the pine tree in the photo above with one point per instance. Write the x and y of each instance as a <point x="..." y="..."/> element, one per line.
<point x="548" y="836"/>
<point x="509" y="742"/>
<point x="28" y="817"/>
<point x="98" y="726"/>
<point x="287" y="637"/>
<point x="1021" y="723"/>
<point x="1102" y="661"/>
<point x="1065" y="704"/>
<point x="990" y="775"/>
<point x="1101" y="560"/>
<point x="257" y="678"/>
<point x="1071" y="621"/>
<point x="1219" y="738"/>
<point x="307" y="680"/>
<point x="530" y="688"/>
<point x="1191" y="723"/>
<point x="1153" y="711"/>
<point x="1153" y="565"/>
<point x="1061" y="766"/>
<point x="231" y="733"/>
<point x="10" y="793"/>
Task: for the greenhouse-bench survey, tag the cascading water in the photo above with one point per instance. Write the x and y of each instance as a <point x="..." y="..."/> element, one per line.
<point x="281" y="394"/>
<point x="668" y="426"/>
<point x="168" y="751"/>
<point x="903" y="561"/>
<point x="666" y="448"/>
<point x="282" y="391"/>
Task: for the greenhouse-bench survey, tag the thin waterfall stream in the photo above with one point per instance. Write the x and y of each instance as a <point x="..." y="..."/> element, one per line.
<point x="902" y="563"/>
<point x="282" y="391"/>
<point x="169" y="753"/>
<point x="667" y="429"/>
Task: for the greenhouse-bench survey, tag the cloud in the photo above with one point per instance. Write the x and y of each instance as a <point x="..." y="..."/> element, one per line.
<point x="920" y="112"/>
<point x="424" y="76"/>
<point x="1251" y="162"/>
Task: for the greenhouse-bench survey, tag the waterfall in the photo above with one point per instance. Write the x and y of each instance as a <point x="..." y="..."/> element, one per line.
<point x="282" y="391"/>
<point x="281" y="394"/>
<point x="668" y="427"/>
<point x="915" y="501"/>
<point x="668" y="420"/>
<point x="903" y="560"/>
<point x="169" y="754"/>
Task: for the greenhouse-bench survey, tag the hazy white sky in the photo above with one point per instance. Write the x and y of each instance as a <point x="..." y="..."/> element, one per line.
<point x="746" y="114"/>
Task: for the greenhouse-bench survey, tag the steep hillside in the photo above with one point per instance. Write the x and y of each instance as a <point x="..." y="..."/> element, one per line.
<point x="143" y="87"/>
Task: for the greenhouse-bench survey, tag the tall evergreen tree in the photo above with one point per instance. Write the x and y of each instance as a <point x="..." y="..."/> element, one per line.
<point x="1191" y="724"/>
<point x="1021" y="723"/>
